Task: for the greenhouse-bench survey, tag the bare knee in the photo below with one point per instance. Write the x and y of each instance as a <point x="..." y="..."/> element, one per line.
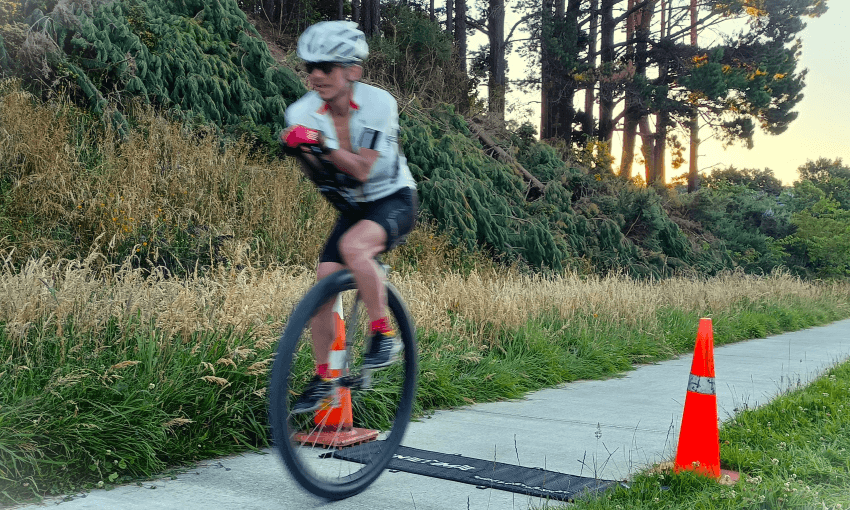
<point x="351" y="251"/>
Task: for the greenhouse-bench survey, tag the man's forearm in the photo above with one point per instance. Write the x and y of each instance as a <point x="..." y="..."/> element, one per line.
<point x="353" y="164"/>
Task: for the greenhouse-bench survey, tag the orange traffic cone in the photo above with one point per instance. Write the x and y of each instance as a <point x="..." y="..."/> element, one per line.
<point x="699" y="439"/>
<point x="335" y="425"/>
<point x="339" y="417"/>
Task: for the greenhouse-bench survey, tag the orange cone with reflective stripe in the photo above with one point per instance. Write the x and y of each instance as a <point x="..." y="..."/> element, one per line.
<point x="699" y="439"/>
<point x="339" y="417"/>
<point x="335" y="425"/>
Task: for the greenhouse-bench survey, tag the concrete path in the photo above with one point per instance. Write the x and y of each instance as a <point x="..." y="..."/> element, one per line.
<point x="607" y="429"/>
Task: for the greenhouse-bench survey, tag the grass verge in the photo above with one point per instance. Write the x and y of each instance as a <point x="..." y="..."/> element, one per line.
<point x="75" y="416"/>
<point x="791" y="453"/>
<point x="83" y="409"/>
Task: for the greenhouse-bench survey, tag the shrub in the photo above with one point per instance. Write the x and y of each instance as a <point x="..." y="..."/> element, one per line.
<point x="201" y="58"/>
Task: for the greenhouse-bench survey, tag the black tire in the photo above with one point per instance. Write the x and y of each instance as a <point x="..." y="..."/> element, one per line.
<point x="395" y="386"/>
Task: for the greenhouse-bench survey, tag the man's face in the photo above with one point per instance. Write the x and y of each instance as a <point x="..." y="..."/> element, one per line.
<point x="329" y="80"/>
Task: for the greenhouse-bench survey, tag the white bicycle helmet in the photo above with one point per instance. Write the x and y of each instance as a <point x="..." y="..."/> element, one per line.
<point x="333" y="41"/>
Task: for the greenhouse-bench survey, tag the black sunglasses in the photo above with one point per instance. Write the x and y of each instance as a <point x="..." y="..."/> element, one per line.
<point x="325" y="67"/>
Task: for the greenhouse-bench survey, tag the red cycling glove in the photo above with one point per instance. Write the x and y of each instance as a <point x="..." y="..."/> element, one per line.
<point x="294" y="136"/>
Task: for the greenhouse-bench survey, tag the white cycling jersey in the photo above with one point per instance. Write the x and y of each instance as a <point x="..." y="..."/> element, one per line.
<point x="373" y="124"/>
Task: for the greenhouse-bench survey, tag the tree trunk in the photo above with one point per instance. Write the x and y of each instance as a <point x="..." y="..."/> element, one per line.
<point x="647" y="148"/>
<point x="366" y="16"/>
<point x="657" y="173"/>
<point x="607" y="54"/>
<point x="268" y="10"/>
<point x="460" y="34"/>
<point x="498" y="75"/>
<point x="669" y="17"/>
<point x="663" y="20"/>
<point x="639" y="112"/>
<point x="693" y="167"/>
<point x="630" y="125"/>
<point x="567" y="84"/>
<point x="558" y="86"/>
<point x="536" y="188"/>
<point x="376" y="18"/>
<point x="355" y="12"/>
<point x="693" y="151"/>
<point x="659" y="176"/>
<point x="630" y="121"/>
<point x="546" y="72"/>
<point x="371" y="17"/>
<point x="340" y="9"/>
<point x="450" y="22"/>
<point x="589" y="99"/>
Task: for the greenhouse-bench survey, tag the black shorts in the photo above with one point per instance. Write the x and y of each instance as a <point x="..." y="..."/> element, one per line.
<point x="396" y="213"/>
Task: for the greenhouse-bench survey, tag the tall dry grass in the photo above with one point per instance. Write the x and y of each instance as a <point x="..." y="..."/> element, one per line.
<point x="71" y="180"/>
<point x="258" y="300"/>
<point x="510" y="298"/>
<point x="48" y="294"/>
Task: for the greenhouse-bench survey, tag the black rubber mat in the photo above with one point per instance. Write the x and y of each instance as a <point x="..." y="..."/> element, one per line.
<point x="485" y="474"/>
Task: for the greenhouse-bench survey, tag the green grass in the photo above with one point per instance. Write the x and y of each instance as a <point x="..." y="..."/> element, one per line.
<point x="548" y="350"/>
<point x="792" y="453"/>
<point x="74" y="414"/>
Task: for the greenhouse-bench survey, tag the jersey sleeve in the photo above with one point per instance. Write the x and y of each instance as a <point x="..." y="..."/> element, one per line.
<point x="380" y="130"/>
<point x="296" y="113"/>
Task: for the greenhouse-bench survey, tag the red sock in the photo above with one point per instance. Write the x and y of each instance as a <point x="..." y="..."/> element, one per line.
<point x="322" y="370"/>
<point x="381" y="325"/>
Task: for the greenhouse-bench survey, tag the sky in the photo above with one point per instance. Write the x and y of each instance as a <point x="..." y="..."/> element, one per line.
<point x="822" y="128"/>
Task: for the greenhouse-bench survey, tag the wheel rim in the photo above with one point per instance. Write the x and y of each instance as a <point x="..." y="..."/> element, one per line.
<point x="310" y="443"/>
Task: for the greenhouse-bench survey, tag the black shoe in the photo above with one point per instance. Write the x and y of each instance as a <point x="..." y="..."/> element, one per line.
<point x="383" y="351"/>
<point x="317" y="395"/>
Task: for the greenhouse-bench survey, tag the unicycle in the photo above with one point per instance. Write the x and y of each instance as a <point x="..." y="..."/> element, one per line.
<point x="325" y="451"/>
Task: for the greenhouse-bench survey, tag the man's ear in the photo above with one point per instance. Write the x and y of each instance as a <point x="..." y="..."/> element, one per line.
<point x="354" y="73"/>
